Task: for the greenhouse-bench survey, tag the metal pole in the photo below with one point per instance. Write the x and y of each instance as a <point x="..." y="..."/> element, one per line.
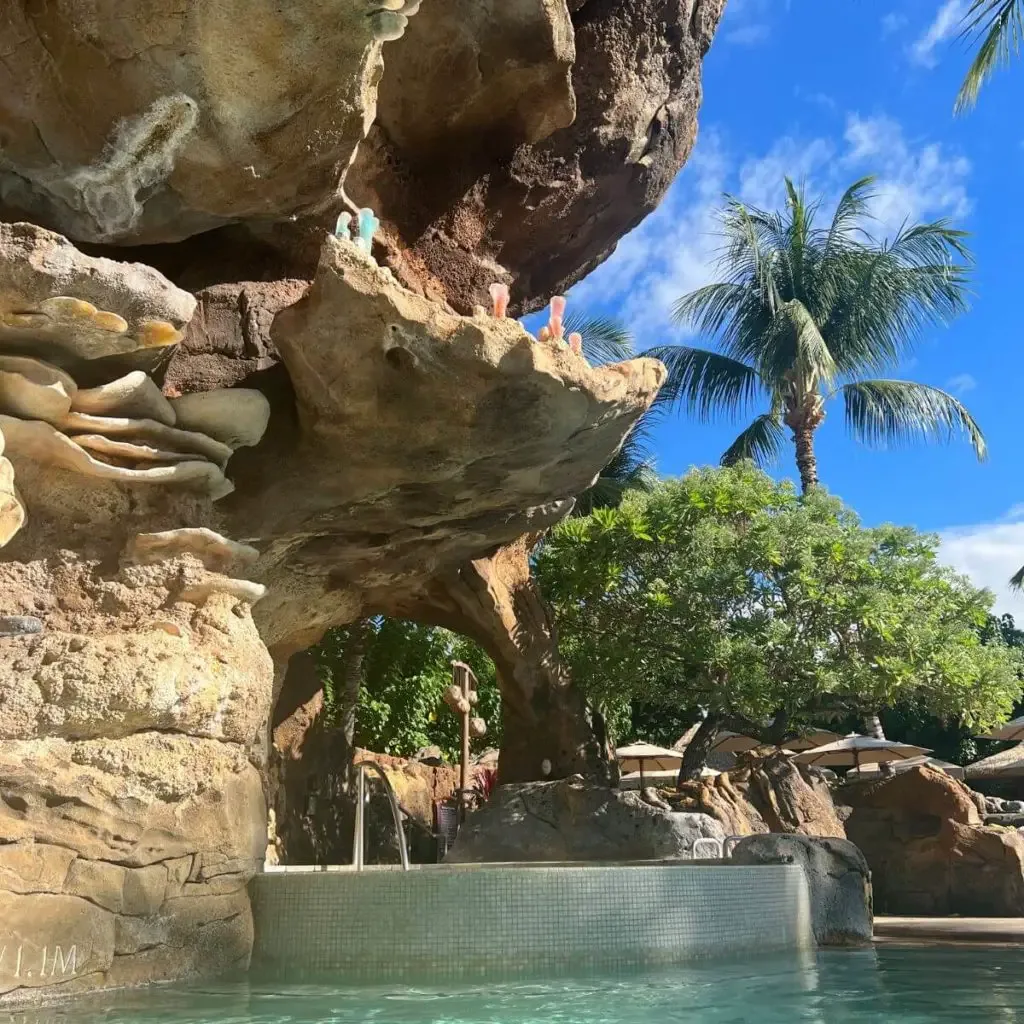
<point x="464" y="768"/>
<point x="357" y="834"/>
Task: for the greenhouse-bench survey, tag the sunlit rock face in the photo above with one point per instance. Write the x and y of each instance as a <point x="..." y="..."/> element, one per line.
<point x="224" y="430"/>
<point x="196" y="114"/>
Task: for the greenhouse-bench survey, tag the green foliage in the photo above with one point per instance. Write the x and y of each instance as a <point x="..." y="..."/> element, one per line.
<point x="724" y="589"/>
<point x="999" y="26"/>
<point x="805" y="311"/>
<point x="405" y="672"/>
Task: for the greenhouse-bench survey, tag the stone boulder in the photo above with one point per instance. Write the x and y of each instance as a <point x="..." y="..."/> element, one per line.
<point x="837" y="876"/>
<point x="548" y="179"/>
<point x="573" y="820"/>
<point x="928" y="853"/>
<point x="195" y="115"/>
<point x="767" y="794"/>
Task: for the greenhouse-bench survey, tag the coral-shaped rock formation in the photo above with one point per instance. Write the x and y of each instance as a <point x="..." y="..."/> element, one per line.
<point x="122" y="429"/>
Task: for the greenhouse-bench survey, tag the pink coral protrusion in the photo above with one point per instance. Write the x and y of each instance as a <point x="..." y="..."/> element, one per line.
<point x="576" y="343"/>
<point x="557" y="313"/>
<point x="544" y="334"/>
<point x="499" y="298"/>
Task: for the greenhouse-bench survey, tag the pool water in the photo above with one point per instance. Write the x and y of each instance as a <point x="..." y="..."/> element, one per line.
<point x="884" y="985"/>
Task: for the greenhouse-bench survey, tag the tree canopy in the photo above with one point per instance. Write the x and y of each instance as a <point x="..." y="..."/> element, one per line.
<point x="725" y="590"/>
<point x="403" y="676"/>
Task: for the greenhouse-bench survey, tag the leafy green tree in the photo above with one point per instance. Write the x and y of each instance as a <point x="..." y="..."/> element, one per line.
<point x="405" y="668"/>
<point x="727" y="591"/>
<point x="999" y="26"/>
<point x="805" y="312"/>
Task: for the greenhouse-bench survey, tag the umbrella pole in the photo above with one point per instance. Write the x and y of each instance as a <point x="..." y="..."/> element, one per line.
<point x="641" y="774"/>
<point x="856" y="760"/>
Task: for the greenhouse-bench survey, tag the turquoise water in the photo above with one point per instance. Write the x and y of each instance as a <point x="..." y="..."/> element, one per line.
<point x="886" y="985"/>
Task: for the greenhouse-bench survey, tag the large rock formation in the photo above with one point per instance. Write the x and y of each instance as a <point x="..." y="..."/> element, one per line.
<point x="574" y="820"/>
<point x="381" y="452"/>
<point x="766" y="794"/>
<point x="929" y="853"/>
<point x="537" y="194"/>
<point x="135" y="688"/>
<point x="837" y="877"/>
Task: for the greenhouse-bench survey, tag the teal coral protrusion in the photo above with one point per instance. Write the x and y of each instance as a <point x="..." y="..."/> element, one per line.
<point x="368" y="224"/>
<point x="343" y="228"/>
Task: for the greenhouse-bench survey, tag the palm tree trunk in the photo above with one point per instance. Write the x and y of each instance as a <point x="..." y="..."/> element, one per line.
<point x="806" y="460"/>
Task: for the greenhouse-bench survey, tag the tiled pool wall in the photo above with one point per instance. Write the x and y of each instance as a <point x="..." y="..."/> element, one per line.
<point x="508" y="920"/>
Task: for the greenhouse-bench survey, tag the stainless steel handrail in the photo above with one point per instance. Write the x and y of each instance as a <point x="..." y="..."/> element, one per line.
<point x="358" y="842"/>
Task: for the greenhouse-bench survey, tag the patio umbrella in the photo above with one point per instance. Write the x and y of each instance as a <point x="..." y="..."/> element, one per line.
<point x="734" y="743"/>
<point x="638" y="756"/>
<point x="1013" y="730"/>
<point x="954" y="771"/>
<point x="855" y="749"/>
<point x="817" y="738"/>
<point x="1006" y="764"/>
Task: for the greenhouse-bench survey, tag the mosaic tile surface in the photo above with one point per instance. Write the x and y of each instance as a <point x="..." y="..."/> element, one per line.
<point x="441" y="922"/>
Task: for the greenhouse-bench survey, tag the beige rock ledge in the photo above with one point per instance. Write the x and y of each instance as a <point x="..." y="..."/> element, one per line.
<point x="56" y="300"/>
<point x="39" y="442"/>
<point x="237" y="417"/>
<point x="133" y="395"/>
<point x="428" y="439"/>
<point x="215" y="551"/>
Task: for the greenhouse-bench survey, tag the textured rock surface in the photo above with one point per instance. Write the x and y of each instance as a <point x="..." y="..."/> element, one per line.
<point x="507" y="429"/>
<point x="928" y="853"/>
<point x="196" y="114"/>
<point x="770" y="794"/>
<point x="132" y="726"/>
<point x="838" y="878"/>
<point x="545" y="209"/>
<point x="574" y="820"/>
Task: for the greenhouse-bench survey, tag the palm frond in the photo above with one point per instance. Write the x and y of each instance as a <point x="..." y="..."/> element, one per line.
<point x="887" y="293"/>
<point x="705" y="382"/>
<point x="854" y="206"/>
<point x="1000" y="26"/>
<point x="900" y="411"/>
<point x="604" y="340"/>
<point x="632" y="469"/>
<point x="811" y="358"/>
<point x="762" y="441"/>
<point x="1017" y="579"/>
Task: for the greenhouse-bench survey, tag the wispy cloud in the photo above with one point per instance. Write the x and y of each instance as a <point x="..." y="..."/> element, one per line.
<point x="989" y="553"/>
<point x="674" y="251"/>
<point x="748" y="35"/>
<point x="943" y="27"/>
<point x="892" y="23"/>
<point x="961" y="384"/>
<point x="748" y="22"/>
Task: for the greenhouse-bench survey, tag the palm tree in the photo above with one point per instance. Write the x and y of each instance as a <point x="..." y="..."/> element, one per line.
<point x="1000" y="26"/>
<point x="804" y="313"/>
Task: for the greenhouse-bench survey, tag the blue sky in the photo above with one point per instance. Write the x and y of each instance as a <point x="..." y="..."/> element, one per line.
<point x="826" y="91"/>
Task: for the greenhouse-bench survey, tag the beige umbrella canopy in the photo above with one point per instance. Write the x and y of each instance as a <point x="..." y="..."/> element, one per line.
<point x="734" y="743"/>
<point x="1013" y="731"/>
<point x="810" y="740"/>
<point x="856" y="750"/>
<point x="1006" y="764"/>
<point x="954" y="771"/>
<point x="641" y="757"/>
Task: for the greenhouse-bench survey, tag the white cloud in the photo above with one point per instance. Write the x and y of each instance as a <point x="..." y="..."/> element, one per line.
<point x="961" y="384"/>
<point x="892" y="23"/>
<point x="674" y="250"/>
<point x="945" y="25"/>
<point x="989" y="554"/>
<point x="748" y="22"/>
